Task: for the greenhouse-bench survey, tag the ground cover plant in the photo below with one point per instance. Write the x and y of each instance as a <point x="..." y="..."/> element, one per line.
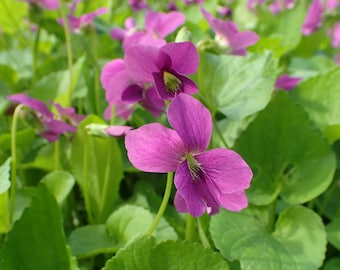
<point x="169" y="134"/>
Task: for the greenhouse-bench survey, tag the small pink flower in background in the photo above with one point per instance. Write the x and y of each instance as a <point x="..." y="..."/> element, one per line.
<point x="46" y="4"/>
<point x="228" y="37"/>
<point x="280" y="5"/>
<point x="335" y="35"/>
<point x="158" y="25"/>
<point x="122" y="92"/>
<point x="337" y="59"/>
<point x="205" y="180"/>
<point x="52" y="127"/>
<point x="332" y="4"/>
<point x="77" y="23"/>
<point x="287" y="82"/>
<point x="138" y="5"/>
<point x="313" y="18"/>
<point x="191" y="2"/>
<point x="166" y="67"/>
<point x="252" y="4"/>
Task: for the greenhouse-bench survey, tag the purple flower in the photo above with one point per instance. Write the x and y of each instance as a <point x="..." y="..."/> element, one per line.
<point x="287" y="82"/>
<point x="279" y="5"/>
<point x="158" y="25"/>
<point x="52" y="128"/>
<point x="137" y="5"/>
<point x="228" y="37"/>
<point x="205" y="180"/>
<point x="252" y="4"/>
<point x="313" y="18"/>
<point x="165" y="67"/>
<point x="122" y="92"/>
<point x="86" y="19"/>
<point x="335" y="34"/>
<point x="46" y="4"/>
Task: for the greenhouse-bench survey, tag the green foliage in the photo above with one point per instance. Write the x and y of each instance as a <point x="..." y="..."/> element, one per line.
<point x="43" y="245"/>
<point x="288" y="154"/>
<point x="166" y="255"/>
<point x="97" y="166"/>
<point x="237" y="86"/>
<point x="297" y="242"/>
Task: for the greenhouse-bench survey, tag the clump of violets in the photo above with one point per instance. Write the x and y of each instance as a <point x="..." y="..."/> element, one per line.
<point x="287" y="82"/>
<point x="279" y="5"/>
<point x="48" y="126"/>
<point x="158" y="26"/>
<point x="227" y="37"/>
<point x="165" y="67"/>
<point x="206" y="180"/>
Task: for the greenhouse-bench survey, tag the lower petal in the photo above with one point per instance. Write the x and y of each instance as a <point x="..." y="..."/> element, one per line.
<point x="234" y="201"/>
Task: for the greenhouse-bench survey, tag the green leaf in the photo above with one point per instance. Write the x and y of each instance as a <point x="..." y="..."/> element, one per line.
<point x="59" y="183"/>
<point x="12" y="14"/>
<point x="236" y="86"/>
<point x="288" y="154"/>
<point x="332" y="264"/>
<point x="56" y="86"/>
<point x="130" y="221"/>
<point x="320" y="96"/>
<point x="37" y="240"/>
<point x="91" y="240"/>
<point x="97" y="166"/>
<point x="144" y="253"/>
<point x="333" y="232"/>
<point x="4" y="176"/>
<point x="285" y="25"/>
<point x="298" y="241"/>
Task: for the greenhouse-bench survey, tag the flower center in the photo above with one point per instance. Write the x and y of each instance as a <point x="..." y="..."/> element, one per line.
<point x="172" y="83"/>
<point x="194" y="167"/>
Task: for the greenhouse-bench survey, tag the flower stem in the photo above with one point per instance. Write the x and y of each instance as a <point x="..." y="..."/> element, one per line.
<point x="190" y="228"/>
<point x="14" y="160"/>
<point x="69" y="51"/>
<point x="164" y="204"/>
<point x="86" y="180"/>
<point x="220" y="133"/>
<point x="56" y="155"/>
<point x="202" y="235"/>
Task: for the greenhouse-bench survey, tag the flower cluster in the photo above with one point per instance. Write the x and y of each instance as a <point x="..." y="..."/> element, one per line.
<point x="154" y="73"/>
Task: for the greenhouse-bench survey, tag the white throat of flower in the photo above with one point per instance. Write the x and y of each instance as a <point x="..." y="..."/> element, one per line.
<point x="194" y="167"/>
<point x="172" y="83"/>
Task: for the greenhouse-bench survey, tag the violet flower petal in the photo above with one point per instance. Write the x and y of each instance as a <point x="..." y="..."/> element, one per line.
<point x="187" y="190"/>
<point x="117" y="131"/>
<point x="235" y="201"/>
<point x="110" y="69"/>
<point x="313" y="18"/>
<point x="225" y="170"/>
<point x="32" y="103"/>
<point x="192" y="121"/>
<point x="140" y="62"/>
<point x="132" y="94"/>
<point x="287" y="82"/>
<point x="152" y="102"/>
<point x="154" y="148"/>
<point x="184" y="56"/>
<point x="162" y="24"/>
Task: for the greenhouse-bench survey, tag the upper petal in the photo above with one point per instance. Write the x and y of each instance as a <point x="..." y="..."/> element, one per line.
<point x="163" y="23"/>
<point x="184" y="56"/>
<point x="224" y="170"/>
<point x="192" y="121"/>
<point x="154" y="148"/>
<point x="234" y="201"/>
<point x="141" y="61"/>
<point x="109" y="70"/>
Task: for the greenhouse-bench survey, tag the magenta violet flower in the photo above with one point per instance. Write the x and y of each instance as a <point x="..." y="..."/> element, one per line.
<point x="137" y="5"/>
<point x="165" y="67"/>
<point x="335" y="35"/>
<point x="79" y="22"/>
<point x="279" y="5"/>
<point x="158" y="25"/>
<point x="46" y="4"/>
<point x="51" y="127"/>
<point x="122" y="92"/>
<point x="205" y="180"/>
<point x="227" y="36"/>
<point x="287" y="82"/>
<point x="313" y="19"/>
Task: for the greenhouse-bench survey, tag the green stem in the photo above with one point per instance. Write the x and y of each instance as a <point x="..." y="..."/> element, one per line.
<point x="327" y="197"/>
<point x="202" y="236"/>
<point x="96" y="72"/>
<point x="57" y="155"/>
<point x="220" y="133"/>
<point x="190" y="228"/>
<point x="36" y="50"/>
<point x="69" y="51"/>
<point x="164" y="204"/>
<point x="86" y="180"/>
<point x="14" y="160"/>
<point x="272" y="216"/>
